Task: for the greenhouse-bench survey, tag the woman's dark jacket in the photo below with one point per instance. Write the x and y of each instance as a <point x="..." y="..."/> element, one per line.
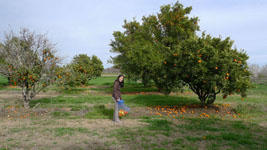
<point x="116" y="90"/>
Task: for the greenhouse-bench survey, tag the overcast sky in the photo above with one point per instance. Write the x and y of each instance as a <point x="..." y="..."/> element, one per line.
<point x="86" y="26"/>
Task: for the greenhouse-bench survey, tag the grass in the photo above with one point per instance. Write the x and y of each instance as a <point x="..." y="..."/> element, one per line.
<point x="59" y="114"/>
<point x="237" y="134"/>
<point x="92" y="103"/>
<point x="217" y="134"/>
<point x="99" y="111"/>
<point x="106" y="80"/>
<point x="70" y="131"/>
<point x="4" y="84"/>
<point x="3" y="81"/>
<point x="159" y="125"/>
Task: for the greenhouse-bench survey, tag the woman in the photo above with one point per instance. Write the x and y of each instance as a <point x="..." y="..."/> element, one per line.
<point x="116" y="96"/>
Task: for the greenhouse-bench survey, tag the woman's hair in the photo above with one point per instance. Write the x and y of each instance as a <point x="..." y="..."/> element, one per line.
<point x="120" y="83"/>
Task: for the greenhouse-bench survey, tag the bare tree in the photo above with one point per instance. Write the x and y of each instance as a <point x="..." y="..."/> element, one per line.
<point x="254" y="69"/>
<point x="29" y="62"/>
<point x="263" y="71"/>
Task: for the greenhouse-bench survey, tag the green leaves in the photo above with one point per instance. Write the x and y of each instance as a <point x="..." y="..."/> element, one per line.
<point x="165" y="48"/>
<point x="143" y="47"/>
<point x="213" y="66"/>
<point x="81" y="70"/>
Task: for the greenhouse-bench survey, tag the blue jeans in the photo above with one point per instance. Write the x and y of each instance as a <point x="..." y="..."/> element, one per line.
<point x="116" y="111"/>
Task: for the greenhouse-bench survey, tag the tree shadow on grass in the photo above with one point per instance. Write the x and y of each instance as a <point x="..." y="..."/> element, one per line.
<point x="162" y="100"/>
<point x="100" y="112"/>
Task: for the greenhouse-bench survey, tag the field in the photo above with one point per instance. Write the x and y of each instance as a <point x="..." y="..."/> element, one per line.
<point x="81" y="118"/>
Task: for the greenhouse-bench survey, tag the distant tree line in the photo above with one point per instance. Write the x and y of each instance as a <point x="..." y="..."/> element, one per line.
<point x="111" y="70"/>
<point x="258" y="73"/>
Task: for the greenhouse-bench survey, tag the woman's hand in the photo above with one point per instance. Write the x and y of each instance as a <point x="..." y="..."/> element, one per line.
<point x="118" y="100"/>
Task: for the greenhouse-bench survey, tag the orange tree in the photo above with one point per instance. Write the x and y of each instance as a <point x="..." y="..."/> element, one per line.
<point x="143" y="47"/>
<point x="165" y="48"/>
<point x="80" y="71"/>
<point x="209" y="66"/>
<point x="29" y="62"/>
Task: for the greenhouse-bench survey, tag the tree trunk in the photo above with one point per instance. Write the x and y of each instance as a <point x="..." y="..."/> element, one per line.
<point x="202" y="100"/>
<point x="26" y="104"/>
<point x="211" y="98"/>
<point x="9" y="80"/>
<point x="145" y="81"/>
<point x="26" y="97"/>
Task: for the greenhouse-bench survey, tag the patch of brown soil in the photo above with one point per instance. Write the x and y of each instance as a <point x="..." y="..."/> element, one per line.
<point x="17" y="94"/>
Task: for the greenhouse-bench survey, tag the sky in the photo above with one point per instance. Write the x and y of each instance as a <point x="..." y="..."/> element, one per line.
<point x="86" y="26"/>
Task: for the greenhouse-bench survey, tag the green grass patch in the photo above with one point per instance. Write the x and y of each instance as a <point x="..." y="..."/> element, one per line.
<point x="177" y="141"/>
<point x="20" y="129"/>
<point x="193" y="139"/>
<point x="3" y="81"/>
<point x="78" y="107"/>
<point x="61" y="100"/>
<point x="196" y="124"/>
<point x="159" y="100"/>
<point x="131" y="100"/>
<point x="260" y="89"/>
<point x="100" y="111"/>
<point x="4" y="85"/>
<point x="103" y="80"/>
<point x="4" y="148"/>
<point x="159" y="125"/>
<point x="70" y="131"/>
<point x="235" y="134"/>
<point x="249" y="108"/>
<point x="59" y="114"/>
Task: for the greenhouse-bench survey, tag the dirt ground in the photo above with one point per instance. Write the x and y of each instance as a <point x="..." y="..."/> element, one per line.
<point x="35" y="134"/>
